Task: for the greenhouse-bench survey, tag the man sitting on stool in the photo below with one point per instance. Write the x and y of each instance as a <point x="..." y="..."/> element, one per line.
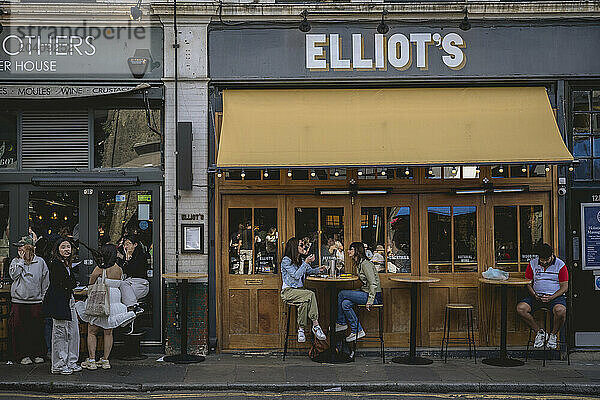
<point x="550" y="282"/>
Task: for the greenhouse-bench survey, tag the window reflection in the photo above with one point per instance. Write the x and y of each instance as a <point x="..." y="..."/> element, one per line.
<point x="465" y="239"/>
<point x="307" y="230"/>
<point x="332" y="239"/>
<point x="266" y="239"/>
<point x="372" y="234"/>
<point x="505" y="238"/>
<point x="122" y="138"/>
<point x="240" y="241"/>
<point x="8" y="140"/>
<point x="4" y="230"/>
<point x="398" y="241"/>
<point x="439" y="229"/>
<point x="531" y="231"/>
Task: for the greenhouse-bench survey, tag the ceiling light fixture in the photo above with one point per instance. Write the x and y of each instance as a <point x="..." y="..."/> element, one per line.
<point x="383" y="28"/>
<point x="465" y="25"/>
<point x="304" y="25"/>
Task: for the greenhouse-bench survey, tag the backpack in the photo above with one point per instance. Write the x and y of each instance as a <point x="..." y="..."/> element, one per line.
<point x="317" y="349"/>
<point x="344" y="350"/>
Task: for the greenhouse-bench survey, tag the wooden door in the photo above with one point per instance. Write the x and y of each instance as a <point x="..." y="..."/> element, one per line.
<point x="251" y="246"/>
<point x="453" y="249"/>
<point x="389" y="226"/>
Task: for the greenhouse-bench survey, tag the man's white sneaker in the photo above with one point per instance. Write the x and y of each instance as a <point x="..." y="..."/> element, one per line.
<point x="26" y="361"/>
<point x="552" y="341"/>
<point x="38" y="360"/>
<point x="340" y="327"/>
<point x="352" y="337"/>
<point x="301" y="336"/>
<point x="540" y="338"/>
<point x="319" y="332"/>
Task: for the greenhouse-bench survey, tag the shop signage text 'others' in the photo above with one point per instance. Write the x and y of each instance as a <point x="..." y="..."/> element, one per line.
<point x="324" y="51"/>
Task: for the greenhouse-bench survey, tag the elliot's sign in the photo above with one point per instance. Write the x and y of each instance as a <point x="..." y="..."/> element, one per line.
<point x="398" y="51"/>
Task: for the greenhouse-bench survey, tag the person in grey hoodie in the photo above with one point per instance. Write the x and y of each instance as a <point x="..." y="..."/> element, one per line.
<point x="30" y="282"/>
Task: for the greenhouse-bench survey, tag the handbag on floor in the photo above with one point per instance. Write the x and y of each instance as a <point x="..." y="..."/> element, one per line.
<point x="98" y="300"/>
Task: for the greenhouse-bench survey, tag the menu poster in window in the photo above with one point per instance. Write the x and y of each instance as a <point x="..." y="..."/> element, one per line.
<point x="590" y="229"/>
<point x="193" y="238"/>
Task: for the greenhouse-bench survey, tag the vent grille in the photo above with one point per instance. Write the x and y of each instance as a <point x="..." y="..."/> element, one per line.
<point x="57" y="140"/>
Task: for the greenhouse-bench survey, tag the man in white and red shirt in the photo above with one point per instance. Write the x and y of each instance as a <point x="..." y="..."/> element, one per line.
<point x="550" y="283"/>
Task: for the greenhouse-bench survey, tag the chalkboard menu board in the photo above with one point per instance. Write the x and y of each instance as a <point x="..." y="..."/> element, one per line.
<point x="590" y="230"/>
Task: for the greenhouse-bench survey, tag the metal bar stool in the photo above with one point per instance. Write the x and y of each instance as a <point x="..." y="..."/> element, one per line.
<point x="380" y="325"/>
<point x="470" y="339"/>
<point x="545" y="312"/>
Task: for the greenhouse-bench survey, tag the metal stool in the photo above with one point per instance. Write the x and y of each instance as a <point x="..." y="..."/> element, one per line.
<point x="547" y="311"/>
<point x="380" y="326"/>
<point x="287" y="328"/>
<point x="470" y="339"/>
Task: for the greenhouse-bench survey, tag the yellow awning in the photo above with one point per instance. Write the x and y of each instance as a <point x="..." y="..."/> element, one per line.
<point x="385" y="127"/>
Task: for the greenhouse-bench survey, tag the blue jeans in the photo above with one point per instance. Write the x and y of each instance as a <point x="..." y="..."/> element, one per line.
<point x="346" y="301"/>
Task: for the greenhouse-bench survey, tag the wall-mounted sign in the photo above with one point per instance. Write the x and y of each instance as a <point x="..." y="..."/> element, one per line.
<point x="590" y="230"/>
<point x="192" y="217"/>
<point x="81" y="52"/>
<point x="58" y="91"/>
<point x="144" y="197"/>
<point x="357" y="51"/>
<point x="192" y="238"/>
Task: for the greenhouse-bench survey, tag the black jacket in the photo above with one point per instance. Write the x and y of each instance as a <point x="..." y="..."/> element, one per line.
<point x="56" y="302"/>
<point x="137" y="266"/>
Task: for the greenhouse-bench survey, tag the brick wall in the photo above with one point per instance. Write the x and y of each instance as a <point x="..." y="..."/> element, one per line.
<point x="197" y="319"/>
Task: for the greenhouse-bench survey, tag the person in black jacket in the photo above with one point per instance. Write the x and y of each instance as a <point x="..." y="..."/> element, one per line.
<point x="59" y="304"/>
<point x="133" y="260"/>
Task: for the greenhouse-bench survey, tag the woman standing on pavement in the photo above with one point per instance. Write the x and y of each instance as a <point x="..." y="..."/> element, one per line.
<point x="59" y="304"/>
<point x="30" y="282"/>
<point x="369" y="293"/>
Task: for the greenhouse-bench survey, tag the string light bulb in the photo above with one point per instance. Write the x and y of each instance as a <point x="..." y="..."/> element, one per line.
<point x="336" y="173"/>
<point x="266" y="173"/>
<point x="383" y="172"/>
<point x="454" y="171"/>
<point x="571" y="169"/>
<point x="523" y="169"/>
<point x="547" y="168"/>
<point x="219" y="174"/>
<point x="407" y="171"/>
<point x="289" y="173"/>
<point x="360" y="172"/>
<point x="243" y="174"/>
<point x="501" y="169"/>
<point x="430" y="171"/>
<point x="313" y="173"/>
<point x="477" y="170"/>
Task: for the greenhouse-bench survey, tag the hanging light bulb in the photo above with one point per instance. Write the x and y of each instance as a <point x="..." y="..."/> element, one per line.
<point x="571" y="169"/>
<point x="289" y="174"/>
<point x="430" y="172"/>
<point x="360" y="172"/>
<point x="313" y="173"/>
<point x="336" y="173"/>
<point x="66" y="218"/>
<point x="383" y="172"/>
<point x="501" y="169"/>
<point x="219" y="174"/>
<point x="243" y="174"/>
<point x="477" y="170"/>
<point x="547" y="168"/>
<point x="266" y="174"/>
<point x="454" y="171"/>
<point x="407" y="171"/>
<point x="523" y="169"/>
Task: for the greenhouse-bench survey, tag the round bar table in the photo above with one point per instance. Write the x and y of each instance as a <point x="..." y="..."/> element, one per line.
<point x="330" y="354"/>
<point x="415" y="281"/>
<point x="503" y="360"/>
<point x="184" y="357"/>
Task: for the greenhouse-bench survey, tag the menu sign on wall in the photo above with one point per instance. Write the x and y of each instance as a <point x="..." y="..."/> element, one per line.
<point x="590" y="229"/>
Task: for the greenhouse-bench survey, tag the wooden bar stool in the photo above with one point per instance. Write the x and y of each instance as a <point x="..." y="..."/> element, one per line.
<point x="380" y="326"/>
<point x="287" y="328"/>
<point x="470" y="339"/>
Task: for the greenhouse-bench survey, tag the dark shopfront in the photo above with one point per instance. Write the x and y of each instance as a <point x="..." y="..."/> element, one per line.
<point x="424" y="203"/>
<point x="81" y="149"/>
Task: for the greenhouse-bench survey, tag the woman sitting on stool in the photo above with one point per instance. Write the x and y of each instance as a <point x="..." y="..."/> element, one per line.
<point x="293" y="270"/>
<point x="369" y="293"/>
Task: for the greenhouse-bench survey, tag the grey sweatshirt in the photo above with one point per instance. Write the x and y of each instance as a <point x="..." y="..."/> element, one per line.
<point x="30" y="282"/>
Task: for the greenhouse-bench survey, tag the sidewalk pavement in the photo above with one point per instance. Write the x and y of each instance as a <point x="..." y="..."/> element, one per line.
<point x="268" y="373"/>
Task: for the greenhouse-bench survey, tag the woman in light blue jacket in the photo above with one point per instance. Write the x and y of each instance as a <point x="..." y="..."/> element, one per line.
<point x="293" y="270"/>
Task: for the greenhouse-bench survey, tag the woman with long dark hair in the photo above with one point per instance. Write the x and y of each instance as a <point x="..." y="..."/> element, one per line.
<point x="369" y="293"/>
<point x="118" y="311"/>
<point x="59" y="304"/>
<point x="293" y="270"/>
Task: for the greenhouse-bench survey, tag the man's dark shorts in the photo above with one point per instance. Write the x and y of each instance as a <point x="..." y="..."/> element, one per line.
<point x="536" y="304"/>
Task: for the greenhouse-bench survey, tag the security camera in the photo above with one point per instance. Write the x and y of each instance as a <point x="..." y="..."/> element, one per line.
<point x="562" y="191"/>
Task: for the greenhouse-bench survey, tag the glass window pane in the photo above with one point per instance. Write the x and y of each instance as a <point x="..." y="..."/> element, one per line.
<point x="266" y="239"/>
<point x="332" y="239"/>
<point x="307" y="229"/>
<point x="505" y="237"/>
<point x="581" y="101"/>
<point x="440" y="227"/>
<point x="252" y="175"/>
<point x="54" y="212"/>
<point x="581" y="123"/>
<point x="434" y="173"/>
<point x="337" y="173"/>
<point x="583" y="171"/>
<point x="596" y="100"/>
<point x="518" y="171"/>
<point x="465" y="238"/>
<point x="372" y="234"/>
<point x="367" y="173"/>
<point x="451" y="172"/>
<point x="272" y="175"/>
<point x="582" y="146"/>
<point x="500" y="171"/>
<point x="319" y="174"/>
<point x="8" y="140"/>
<point x="597" y="169"/>
<point x="537" y="170"/>
<point x="4" y="231"/>
<point x="532" y="234"/>
<point x="299" y="174"/>
<point x="398" y="241"/>
<point x="596" y="123"/>
<point x="240" y="241"/>
<point x="596" y="146"/>
<point x="470" y="173"/>
<point x="122" y="138"/>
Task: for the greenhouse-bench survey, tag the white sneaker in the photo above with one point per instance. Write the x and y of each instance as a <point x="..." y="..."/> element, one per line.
<point x="340" y="327"/>
<point x="552" y="341"/>
<point x="301" y="336"/>
<point x="38" y="360"/>
<point x="89" y="364"/>
<point x="76" y="368"/>
<point x="540" y="338"/>
<point x="26" y="361"/>
<point x="352" y="337"/>
<point x="319" y="332"/>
